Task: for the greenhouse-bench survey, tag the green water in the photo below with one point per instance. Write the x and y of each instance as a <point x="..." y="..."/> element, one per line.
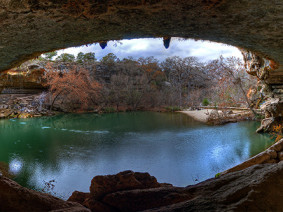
<point x="72" y="149"/>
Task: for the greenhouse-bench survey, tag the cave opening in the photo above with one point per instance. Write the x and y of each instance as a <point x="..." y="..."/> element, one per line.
<point x="124" y="79"/>
<point x="29" y="28"/>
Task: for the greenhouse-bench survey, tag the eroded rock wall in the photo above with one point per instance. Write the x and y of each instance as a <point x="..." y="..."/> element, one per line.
<point x="269" y="89"/>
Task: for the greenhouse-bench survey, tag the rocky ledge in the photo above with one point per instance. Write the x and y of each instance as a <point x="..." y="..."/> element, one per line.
<point x="273" y="154"/>
<point x="22" y="106"/>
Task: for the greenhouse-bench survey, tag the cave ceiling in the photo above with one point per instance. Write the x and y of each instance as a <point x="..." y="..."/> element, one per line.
<point x="31" y="27"/>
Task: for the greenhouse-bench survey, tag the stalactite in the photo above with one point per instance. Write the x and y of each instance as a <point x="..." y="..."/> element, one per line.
<point x="103" y="44"/>
<point x="166" y="42"/>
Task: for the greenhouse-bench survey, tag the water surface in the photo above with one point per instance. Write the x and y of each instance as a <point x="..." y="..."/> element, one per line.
<point x="72" y="149"/>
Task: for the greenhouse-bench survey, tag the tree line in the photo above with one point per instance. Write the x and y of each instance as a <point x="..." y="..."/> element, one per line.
<point x="84" y="83"/>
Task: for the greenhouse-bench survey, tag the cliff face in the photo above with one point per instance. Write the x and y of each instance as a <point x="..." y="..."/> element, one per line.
<point x="22" y="80"/>
<point x="269" y="88"/>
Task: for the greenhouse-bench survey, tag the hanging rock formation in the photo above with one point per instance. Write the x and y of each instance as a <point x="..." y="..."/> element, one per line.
<point x="29" y="28"/>
<point x="103" y="44"/>
<point x="166" y="42"/>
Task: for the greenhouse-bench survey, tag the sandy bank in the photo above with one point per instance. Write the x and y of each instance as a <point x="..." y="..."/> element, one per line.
<point x="198" y="115"/>
<point x="205" y="116"/>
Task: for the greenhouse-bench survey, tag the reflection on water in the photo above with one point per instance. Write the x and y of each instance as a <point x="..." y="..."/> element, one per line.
<point x="72" y="149"/>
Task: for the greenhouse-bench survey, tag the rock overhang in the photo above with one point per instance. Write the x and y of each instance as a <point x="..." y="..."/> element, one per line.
<point x="29" y="28"/>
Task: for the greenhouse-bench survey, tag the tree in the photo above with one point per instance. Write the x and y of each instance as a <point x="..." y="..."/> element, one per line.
<point x="74" y="86"/>
<point x="50" y="55"/>
<point x="233" y="81"/>
<point x="65" y="57"/>
<point x="109" y="59"/>
<point x="180" y="72"/>
<point x="135" y="89"/>
<point x="85" y="58"/>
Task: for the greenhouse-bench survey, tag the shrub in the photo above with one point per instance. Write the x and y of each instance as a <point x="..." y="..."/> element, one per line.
<point x="205" y="102"/>
<point x="109" y="110"/>
<point x="172" y="108"/>
<point x="218" y="175"/>
<point x="278" y="132"/>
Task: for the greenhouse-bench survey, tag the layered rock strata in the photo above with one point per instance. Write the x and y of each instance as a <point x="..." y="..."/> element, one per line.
<point x="24" y="79"/>
<point x="22" y="106"/>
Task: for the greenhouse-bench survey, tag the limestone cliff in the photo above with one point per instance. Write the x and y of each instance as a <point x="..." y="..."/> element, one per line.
<point x="24" y="79"/>
<point x="269" y="88"/>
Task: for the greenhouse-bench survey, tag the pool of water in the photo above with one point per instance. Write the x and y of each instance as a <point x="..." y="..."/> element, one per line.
<point x="72" y="149"/>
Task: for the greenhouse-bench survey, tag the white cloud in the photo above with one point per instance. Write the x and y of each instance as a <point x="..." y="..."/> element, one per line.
<point x="136" y="48"/>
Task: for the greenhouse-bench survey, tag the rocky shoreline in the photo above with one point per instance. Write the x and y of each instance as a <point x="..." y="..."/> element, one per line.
<point x="219" y="117"/>
<point x="22" y="106"/>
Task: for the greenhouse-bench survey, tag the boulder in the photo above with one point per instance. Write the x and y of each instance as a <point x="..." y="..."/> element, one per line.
<point x="78" y="197"/>
<point x="280" y="155"/>
<point x="24" y="115"/>
<point x="97" y="206"/>
<point x="266" y="125"/>
<point x="257" y="188"/>
<point x="272" y="108"/>
<point x="128" y="191"/>
<point x="5" y="113"/>
<point x="14" y="197"/>
<point x="142" y="199"/>
<point x="242" y="190"/>
<point x="126" y="180"/>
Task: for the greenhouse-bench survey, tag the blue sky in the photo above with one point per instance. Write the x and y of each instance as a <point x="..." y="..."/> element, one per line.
<point x="204" y="50"/>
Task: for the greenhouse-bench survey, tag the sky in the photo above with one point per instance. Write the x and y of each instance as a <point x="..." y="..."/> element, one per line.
<point x="204" y="50"/>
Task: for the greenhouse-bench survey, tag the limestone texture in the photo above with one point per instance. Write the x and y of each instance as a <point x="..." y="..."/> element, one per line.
<point x="256" y="188"/>
<point x="269" y="89"/>
<point x="29" y="28"/>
